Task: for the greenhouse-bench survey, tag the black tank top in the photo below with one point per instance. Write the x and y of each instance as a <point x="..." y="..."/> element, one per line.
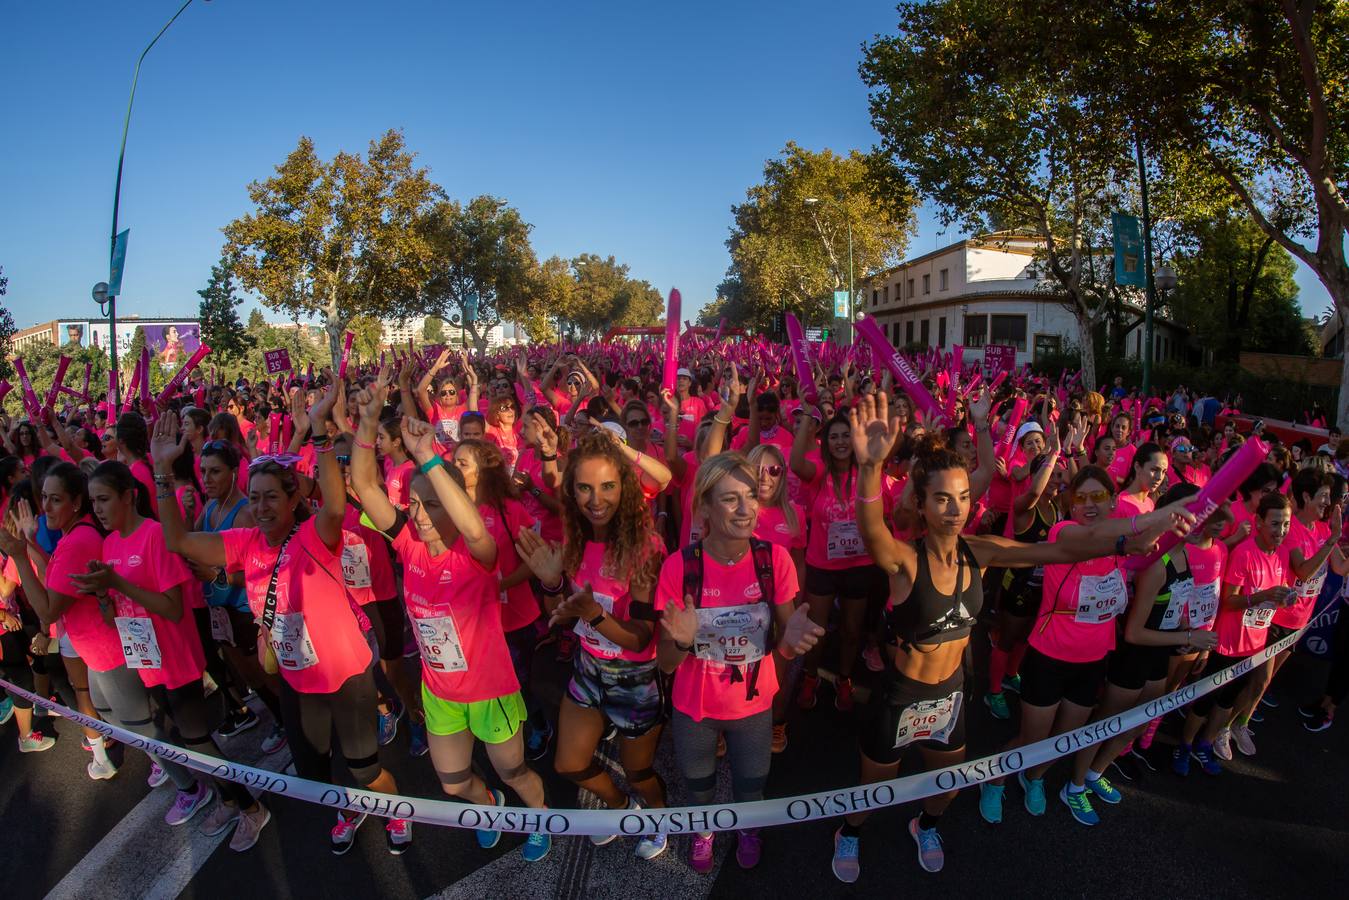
<point x="931" y="617"/>
<point x="1027" y="581"/>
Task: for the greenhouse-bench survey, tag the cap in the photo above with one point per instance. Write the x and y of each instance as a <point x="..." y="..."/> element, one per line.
<point x="616" y="429"/>
<point x="1028" y="428"/>
<point x="684" y="373"/>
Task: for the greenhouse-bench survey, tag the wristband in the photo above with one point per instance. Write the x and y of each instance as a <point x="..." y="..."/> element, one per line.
<point x="364" y="445"/>
<point x="1119" y="545"/>
<point x="871" y="499"/>
<point x="324" y="448"/>
<point x="554" y="590"/>
<point x="548" y="457"/>
<point x="685" y="648"/>
<point x="426" y="467"/>
<point x="1133" y="524"/>
<point x="719" y="419"/>
<point x="595" y="622"/>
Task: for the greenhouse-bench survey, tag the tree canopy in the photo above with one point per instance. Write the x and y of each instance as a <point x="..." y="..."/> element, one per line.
<point x="221" y="329"/>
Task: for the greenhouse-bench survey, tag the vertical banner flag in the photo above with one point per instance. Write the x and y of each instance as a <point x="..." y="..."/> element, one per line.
<point x="840" y="304"/>
<point x="805" y="382"/>
<point x="1128" y="250"/>
<point x="667" y="380"/>
<point x="118" y="264"/>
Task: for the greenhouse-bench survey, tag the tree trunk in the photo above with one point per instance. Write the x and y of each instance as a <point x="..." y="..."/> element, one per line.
<point x="1087" y="346"/>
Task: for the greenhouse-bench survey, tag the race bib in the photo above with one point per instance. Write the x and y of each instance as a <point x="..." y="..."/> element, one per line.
<point x="222" y="630"/>
<point x="928" y="720"/>
<point x="1101" y="597"/>
<point x="290" y="642"/>
<point x="732" y="635"/>
<point x="1258" y="617"/>
<point x="438" y="640"/>
<point x="598" y="644"/>
<point x="844" y="541"/>
<point x="356" y="564"/>
<point x="1182" y="593"/>
<point x="1311" y="588"/>
<point x="1203" y="606"/>
<point x="140" y="647"/>
<point x="448" y="430"/>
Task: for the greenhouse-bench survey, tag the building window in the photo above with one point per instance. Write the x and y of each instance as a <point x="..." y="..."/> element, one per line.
<point x="941" y="331"/>
<point x="887" y="293"/>
<point x="1010" y="330"/>
<point x="925" y="332"/>
<point x="908" y="332"/>
<point x="927" y="284"/>
<point x="1048" y="345"/>
<point x="875" y="297"/>
<point x="909" y="291"/>
<point x="943" y="279"/>
<point x="976" y="331"/>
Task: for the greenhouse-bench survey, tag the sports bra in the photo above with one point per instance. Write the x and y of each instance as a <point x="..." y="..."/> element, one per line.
<point x="930" y="617"/>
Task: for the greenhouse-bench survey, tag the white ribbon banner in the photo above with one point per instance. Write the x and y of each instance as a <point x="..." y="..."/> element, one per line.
<point x="687" y="819"/>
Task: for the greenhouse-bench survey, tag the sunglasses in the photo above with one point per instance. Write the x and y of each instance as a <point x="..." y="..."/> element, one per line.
<point x="773" y="469"/>
<point x="1182" y="449"/>
<point x="1100" y="496"/>
<point x="448" y="392"/>
<point x="639" y="423"/>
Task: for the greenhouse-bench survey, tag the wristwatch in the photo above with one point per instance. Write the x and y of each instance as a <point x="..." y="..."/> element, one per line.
<point x="595" y="622"/>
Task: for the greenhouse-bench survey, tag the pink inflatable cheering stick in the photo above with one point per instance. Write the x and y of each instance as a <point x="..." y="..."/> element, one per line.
<point x="667" y="380"/>
<point x="900" y="368"/>
<point x="1220" y="487"/>
<point x="88" y="371"/>
<point x="5" y="388"/>
<point x="29" y="397"/>
<point x="801" y="360"/>
<point x="181" y="375"/>
<point x="346" y="354"/>
<point x="721" y="327"/>
<point x="62" y="365"/>
<point x="1004" y="449"/>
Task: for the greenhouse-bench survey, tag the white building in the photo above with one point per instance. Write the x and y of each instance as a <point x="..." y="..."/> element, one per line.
<point x="991" y="290"/>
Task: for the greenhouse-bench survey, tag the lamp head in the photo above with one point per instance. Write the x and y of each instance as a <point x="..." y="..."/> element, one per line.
<point x="100" y="293"/>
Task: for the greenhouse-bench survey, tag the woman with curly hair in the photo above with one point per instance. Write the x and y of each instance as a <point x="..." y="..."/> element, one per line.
<point x="610" y="559"/>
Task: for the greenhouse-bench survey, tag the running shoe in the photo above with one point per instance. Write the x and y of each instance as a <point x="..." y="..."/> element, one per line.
<point x="1222" y="746"/>
<point x="1035" y="793"/>
<point x="237" y="722"/>
<point x="536" y="847"/>
<point x="1103" y="789"/>
<point x="417" y="743"/>
<point x="700" y="853"/>
<point x="1143" y="757"/>
<point x="488" y="839"/>
<point x="1204" y="755"/>
<point x="398" y="835"/>
<point x="1079" y="804"/>
<point x="1149" y="733"/>
<point x="219" y="819"/>
<point x="808" y="695"/>
<point x="1241" y="736"/>
<point x="997" y="705"/>
<point x="157" y="774"/>
<point x="1256" y="715"/>
<point x="100" y="771"/>
<point x="1180" y="760"/>
<point x="388" y="725"/>
<point x="872" y="657"/>
<point x="36" y="742"/>
<point x="275" y="739"/>
<point x="1319" y="722"/>
<point x="6" y="710"/>
<point x="748" y="848"/>
<point x="188" y="803"/>
<point x="846" y="865"/>
<point x="779" y="737"/>
<point x="930" y="854"/>
<point x="843" y="694"/>
<point x="344" y="832"/>
<point x="1269" y="700"/>
<point x="1012" y="683"/>
<point x="249" y="827"/>
<point x="1126" y="767"/>
<point x="990" y="802"/>
<point x="536" y="745"/>
<point x="651" y="846"/>
<point x="1310" y="712"/>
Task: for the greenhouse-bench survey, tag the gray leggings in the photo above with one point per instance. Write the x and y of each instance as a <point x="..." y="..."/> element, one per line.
<point x="123" y="700"/>
<point x="749" y="750"/>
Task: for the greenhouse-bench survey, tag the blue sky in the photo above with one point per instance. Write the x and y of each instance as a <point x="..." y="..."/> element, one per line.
<point x="623" y="129"/>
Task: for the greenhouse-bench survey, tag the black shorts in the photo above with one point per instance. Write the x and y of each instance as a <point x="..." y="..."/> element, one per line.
<point x="907" y="712"/>
<point x="1278" y="632"/>
<point x="856" y="583"/>
<point x="1225" y="697"/>
<point x="1045" y="680"/>
<point x="1132" y="666"/>
<point x="386" y="619"/>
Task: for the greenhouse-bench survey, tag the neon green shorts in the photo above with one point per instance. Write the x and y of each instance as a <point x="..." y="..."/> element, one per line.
<point x="492" y="721"/>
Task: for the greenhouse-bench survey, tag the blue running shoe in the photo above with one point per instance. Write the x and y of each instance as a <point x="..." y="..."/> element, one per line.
<point x="1035" y="793"/>
<point x="489" y="839"/>
<point x="417" y="744"/>
<point x="1079" y="804"/>
<point x="990" y="803"/>
<point x="1203" y="754"/>
<point x="1103" y="789"/>
<point x="536" y="847"/>
<point x="1180" y="760"/>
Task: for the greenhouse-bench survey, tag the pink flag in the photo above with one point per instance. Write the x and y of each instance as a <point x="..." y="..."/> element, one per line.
<point x="671" y="341"/>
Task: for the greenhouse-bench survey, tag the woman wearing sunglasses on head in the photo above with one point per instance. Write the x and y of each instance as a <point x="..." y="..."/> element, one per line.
<point x="441" y="399"/>
<point x="1186" y="467"/>
<point x="316" y="637"/>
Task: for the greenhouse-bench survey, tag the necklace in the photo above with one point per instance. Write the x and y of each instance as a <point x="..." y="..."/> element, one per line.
<point x="722" y="557"/>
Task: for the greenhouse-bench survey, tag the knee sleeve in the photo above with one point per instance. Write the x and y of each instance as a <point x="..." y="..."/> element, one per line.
<point x="585" y="774"/>
<point x="365" y="769"/>
<point x="639" y="775"/>
<point x="749" y="787"/>
<point x="702" y="783"/>
<point x="519" y="771"/>
<point x="448" y="779"/>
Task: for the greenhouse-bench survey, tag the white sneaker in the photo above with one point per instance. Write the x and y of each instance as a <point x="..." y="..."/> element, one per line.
<point x="100" y="771"/>
<point x="1222" y="745"/>
<point x="651" y="846"/>
<point x="1242" y="735"/>
<point x="601" y="840"/>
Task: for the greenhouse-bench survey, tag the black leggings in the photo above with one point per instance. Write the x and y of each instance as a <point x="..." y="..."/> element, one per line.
<point x="192" y="717"/>
<point x="311" y="719"/>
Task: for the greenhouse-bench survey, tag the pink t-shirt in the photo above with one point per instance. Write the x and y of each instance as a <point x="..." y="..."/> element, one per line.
<point x="1242" y="632"/>
<point x="1308" y="541"/>
<point x="1119" y="466"/>
<point x="779" y="436"/>
<point x="10" y="571"/>
<point x="688" y="533"/>
<point x="142" y="559"/>
<point x="1078" y="607"/>
<point x="508" y="440"/>
<point x="366" y="566"/>
<point x="611" y="590"/>
<point x="1129" y="505"/>
<point x="398" y="482"/>
<point x="835" y="540"/>
<point x="519" y="606"/>
<point x="549" y="523"/>
<point x="94" y="640"/>
<point x="456" y="616"/>
<point x="691" y="412"/>
<point x="143" y="473"/>
<point x="708" y="684"/>
<point x="772" y="527"/>
<point x="1206" y="568"/>
<point x="319" y="630"/>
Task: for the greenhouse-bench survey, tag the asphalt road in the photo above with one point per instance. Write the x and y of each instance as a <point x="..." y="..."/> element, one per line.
<point x="1273" y="825"/>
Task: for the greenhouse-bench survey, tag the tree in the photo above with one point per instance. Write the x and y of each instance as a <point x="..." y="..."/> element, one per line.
<point x="995" y="135"/>
<point x="483" y="261"/>
<point x="7" y="331"/>
<point x="339" y="239"/>
<point x="221" y="329"/>
<point x="787" y="252"/>
<point x="368" y="333"/>
<point x="553" y="286"/>
<point x="433" y="330"/>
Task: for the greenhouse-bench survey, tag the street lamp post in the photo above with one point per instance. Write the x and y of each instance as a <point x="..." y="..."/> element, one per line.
<point x="117" y="192"/>
<point x="852" y="293"/>
<point x="1150" y="299"/>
